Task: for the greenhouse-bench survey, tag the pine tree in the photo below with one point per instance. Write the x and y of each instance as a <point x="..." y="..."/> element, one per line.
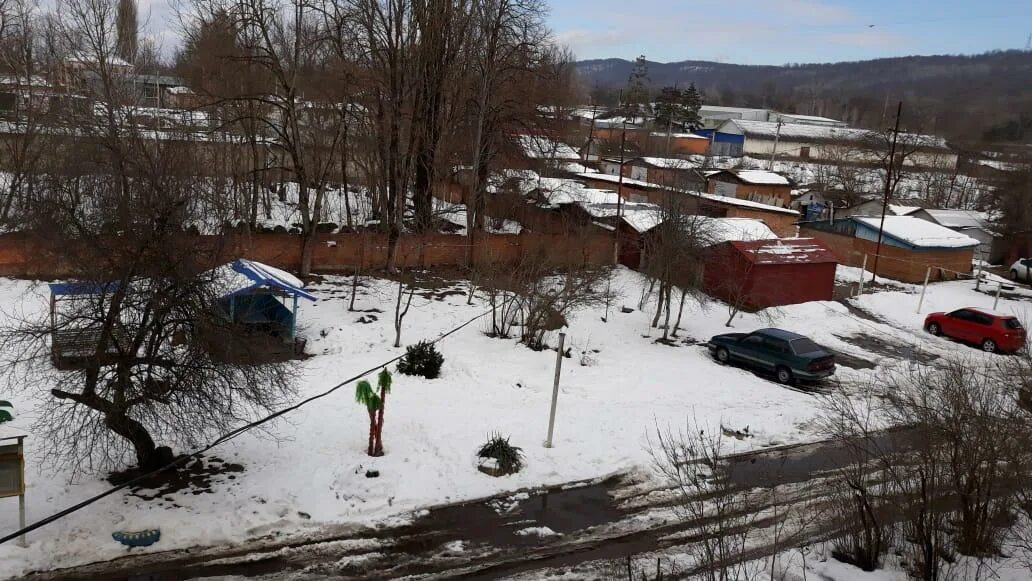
<point x="669" y="108"/>
<point x="636" y="95"/>
<point x="691" y="102"/>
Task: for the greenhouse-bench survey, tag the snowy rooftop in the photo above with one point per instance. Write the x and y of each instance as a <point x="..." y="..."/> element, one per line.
<point x="678" y="135"/>
<point x="903" y="210"/>
<point x="918" y="232"/>
<point x="669" y="162"/>
<point x="712" y="197"/>
<point x="243" y="276"/>
<point x="740" y="229"/>
<point x="804" y="131"/>
<point x="785" y="251"/>
<point x="760" y="176"/>
<point x="959" y="218"/>
<point x="541" y="147"/>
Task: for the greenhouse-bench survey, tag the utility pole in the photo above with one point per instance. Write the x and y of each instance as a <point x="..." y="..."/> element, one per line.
<point x="619" y="214"/>
<point x="888" y="190"/>
<point x="591" y="132"/>
<point x="774" y="152"/>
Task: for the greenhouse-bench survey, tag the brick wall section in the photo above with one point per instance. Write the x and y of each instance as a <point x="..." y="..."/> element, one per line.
<point x="20" y="256"/>
<point x="784" y="225"/>
<point x="896" y="263"/>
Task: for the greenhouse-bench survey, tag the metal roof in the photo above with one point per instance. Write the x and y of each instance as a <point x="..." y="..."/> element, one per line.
<point x="81" y="288"/>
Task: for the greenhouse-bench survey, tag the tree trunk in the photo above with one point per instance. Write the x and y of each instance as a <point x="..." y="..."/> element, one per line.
<point x="378" y="448"/>
<point x="680" y="311"/>
<point x="370" y="449"/>
<point x="148" y="456"/>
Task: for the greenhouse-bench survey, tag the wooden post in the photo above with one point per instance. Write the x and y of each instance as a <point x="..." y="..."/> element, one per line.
<point x="555" y="389"/>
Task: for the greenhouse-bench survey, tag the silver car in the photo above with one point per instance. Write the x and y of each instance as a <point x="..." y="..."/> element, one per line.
<point x="1022" y="270"/>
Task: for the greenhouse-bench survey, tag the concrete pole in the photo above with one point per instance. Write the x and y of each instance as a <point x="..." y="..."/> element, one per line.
<point x="928" y="274"/>
<point x="863" y="269"/>
<point x="21" y="520"/>
<point x="555" y="389"/>
<point x="996" y="302"/>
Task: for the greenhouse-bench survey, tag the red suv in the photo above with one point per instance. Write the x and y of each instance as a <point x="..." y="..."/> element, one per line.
<point x="992" y="331"/>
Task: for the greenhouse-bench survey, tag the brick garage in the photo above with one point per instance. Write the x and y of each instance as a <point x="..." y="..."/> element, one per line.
<point x="851" y="239"/>
<point x="768" y="273"/>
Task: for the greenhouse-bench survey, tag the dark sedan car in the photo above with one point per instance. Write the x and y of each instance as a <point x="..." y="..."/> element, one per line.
<point x="788" y="355"/>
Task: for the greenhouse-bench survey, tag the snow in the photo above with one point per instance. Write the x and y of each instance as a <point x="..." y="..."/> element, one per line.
<point x="959" y="218"/>
<point x="537" y="532"/>
<point x="919" y="233"/>
<point x="759" y="176"/>
<point x="456" y="214"/>
<point x="678" y="135"/>
<point x="741" y="229"/>
<point x="541" y="147"/>
<point x="899" y="210"/>
<point x="713" y="197"/>
<point x="805" y="131"/>
<point x="744" y="203"/>
<point x="669" y="162"/>
<point x="643" y="219"/>
<point x="313" y="459"/>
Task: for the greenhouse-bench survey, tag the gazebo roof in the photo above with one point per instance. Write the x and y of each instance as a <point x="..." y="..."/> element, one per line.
<point x="243" y="276"/>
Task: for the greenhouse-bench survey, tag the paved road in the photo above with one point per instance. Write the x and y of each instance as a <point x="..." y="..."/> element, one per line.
<point x="555" y="529"/>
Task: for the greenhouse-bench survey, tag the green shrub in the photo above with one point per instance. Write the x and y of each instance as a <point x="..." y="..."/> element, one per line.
<point x="6" y="409"/>
<point x="421" y="359"/>
<point x="509" y="457"/>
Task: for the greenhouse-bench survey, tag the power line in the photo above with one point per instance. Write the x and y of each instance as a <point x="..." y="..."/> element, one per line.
<point x="221" y="440"/>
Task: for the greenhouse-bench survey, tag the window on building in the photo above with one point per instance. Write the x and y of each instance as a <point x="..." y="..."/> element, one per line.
<point x="804" y="152"/>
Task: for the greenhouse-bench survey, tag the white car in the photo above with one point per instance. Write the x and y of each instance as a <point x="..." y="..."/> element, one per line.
<point x="1022" y="270"/>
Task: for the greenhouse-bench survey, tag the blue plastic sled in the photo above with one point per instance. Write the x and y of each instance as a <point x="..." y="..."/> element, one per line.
<point x="137" y="539"/>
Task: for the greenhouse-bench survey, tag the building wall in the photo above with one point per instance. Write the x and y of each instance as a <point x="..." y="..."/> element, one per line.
<point x="784" y="225"/>
<point x="731" y="278"/>
<point x="838" y="152"/>
<point x="22" y="256"/>
<point x="896" y="263"/>
<point x="773" y="195"/>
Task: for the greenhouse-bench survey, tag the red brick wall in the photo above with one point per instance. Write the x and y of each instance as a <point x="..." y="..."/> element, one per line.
<point x="729" y="277"/>
<point x="23" y="257"/>
<point x="897" y="263"/>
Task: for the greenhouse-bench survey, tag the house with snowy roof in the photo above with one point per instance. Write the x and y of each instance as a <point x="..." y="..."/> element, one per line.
<point x="971" y="223"/>
<point x="909" y="246"/>
<point x="762" y="273"/>
<point x="666" y="171"/>
<point x="757" y="185"/>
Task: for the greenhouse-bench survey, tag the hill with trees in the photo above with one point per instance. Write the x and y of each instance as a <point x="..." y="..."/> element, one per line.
<point x="966" y="98"/>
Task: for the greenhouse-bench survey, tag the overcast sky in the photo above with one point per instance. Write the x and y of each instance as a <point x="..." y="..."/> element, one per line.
<point x="784" y="31"/>
<point x="759" y="31"/>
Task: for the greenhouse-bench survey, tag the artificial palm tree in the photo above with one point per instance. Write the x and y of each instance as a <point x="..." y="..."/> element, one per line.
<point x="374" y="403"/>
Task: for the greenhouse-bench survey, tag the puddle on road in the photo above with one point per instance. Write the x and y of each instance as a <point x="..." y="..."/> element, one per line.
<point x="496" y="521"/>
<point x="885" y="348"/>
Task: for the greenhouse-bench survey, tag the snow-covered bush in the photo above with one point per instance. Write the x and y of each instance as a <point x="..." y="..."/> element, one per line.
<point x="421" y="359"/>
<point x="508" y="458"/>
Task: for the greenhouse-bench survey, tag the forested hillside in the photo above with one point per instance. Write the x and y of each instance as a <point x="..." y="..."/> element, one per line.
<point x="966" y="98"/>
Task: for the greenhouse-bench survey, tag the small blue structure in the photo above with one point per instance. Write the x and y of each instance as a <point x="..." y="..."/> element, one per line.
<point x="250" y="289"/>
<point x="137" y="539"/>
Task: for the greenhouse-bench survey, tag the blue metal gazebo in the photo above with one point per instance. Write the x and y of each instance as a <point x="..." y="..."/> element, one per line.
<point x="250" y="290"/>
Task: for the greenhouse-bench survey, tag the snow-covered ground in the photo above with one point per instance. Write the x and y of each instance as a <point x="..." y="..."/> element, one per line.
<point x="308" y="470"/>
